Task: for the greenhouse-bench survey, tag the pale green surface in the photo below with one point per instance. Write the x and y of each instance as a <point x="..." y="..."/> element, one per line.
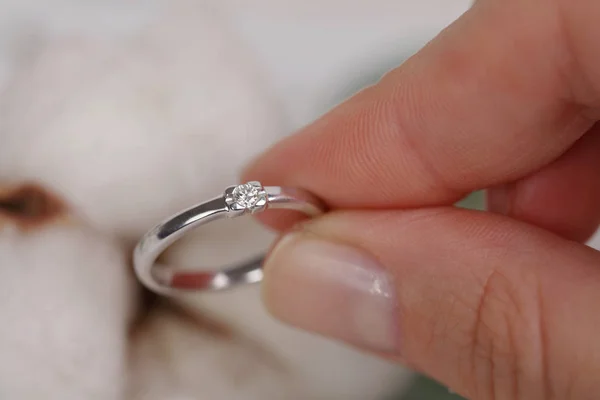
<point x="475" y="201"/>
<point x="426" y="389"/>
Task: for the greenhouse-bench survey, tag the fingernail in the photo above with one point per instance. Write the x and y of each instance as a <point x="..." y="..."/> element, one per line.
<point x="331" y="289"/>
<point x="498" y="199"/>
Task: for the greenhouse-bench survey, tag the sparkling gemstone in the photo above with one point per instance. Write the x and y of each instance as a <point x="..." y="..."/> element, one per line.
<point x="247" y="195"/>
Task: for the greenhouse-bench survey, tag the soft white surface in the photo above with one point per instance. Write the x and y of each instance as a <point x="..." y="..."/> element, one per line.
<point x="131" y="111"/>
<point x="316" y="53"/>
<point x="173" y="359"/>
<point x="65" y="306"/>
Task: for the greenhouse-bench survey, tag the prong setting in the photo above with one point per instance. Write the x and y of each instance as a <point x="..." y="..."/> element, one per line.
<point x="250" y="197"/>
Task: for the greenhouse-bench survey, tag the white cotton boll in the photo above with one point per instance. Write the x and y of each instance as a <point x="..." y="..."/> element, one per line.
<point x="130" y="131"/>
<point x="176" y="357"/>
<point x="65" y="306"/>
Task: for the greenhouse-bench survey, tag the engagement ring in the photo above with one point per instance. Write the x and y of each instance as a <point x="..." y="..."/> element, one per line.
<point x="236" y="201"/>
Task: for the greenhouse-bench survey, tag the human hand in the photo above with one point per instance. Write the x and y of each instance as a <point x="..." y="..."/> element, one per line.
<point x="497" y="305"/>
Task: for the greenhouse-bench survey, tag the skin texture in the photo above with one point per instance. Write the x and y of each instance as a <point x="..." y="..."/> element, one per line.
<point x="498" y="304"/>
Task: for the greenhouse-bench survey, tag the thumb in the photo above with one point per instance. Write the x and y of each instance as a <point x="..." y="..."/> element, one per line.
<point x="492" y="307"/>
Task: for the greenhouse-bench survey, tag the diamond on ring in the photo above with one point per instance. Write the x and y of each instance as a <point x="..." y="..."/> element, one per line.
<point x="249" y="196"/>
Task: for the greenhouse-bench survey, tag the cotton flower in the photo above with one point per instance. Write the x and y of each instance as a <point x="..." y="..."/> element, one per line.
<point x="117" y="133"/>
<point x="134" y="128"/>
<point x="65" y="300"/>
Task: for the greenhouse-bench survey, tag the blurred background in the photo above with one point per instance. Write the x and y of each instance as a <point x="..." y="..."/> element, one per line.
<point x="317" y="53"/>
<point x="305" y="55"/>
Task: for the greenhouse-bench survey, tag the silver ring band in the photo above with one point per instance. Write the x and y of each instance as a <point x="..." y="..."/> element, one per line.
<point x="245" y="199"/>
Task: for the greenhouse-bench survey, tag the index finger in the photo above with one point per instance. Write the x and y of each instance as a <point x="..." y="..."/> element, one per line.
<point x="488" y="101"/>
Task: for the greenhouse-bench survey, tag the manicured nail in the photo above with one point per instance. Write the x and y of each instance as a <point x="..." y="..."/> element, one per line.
<point x="331" y="289"/>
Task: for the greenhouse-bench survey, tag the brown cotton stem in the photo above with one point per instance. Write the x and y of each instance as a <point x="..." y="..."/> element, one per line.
<point x="29" y="205"/>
